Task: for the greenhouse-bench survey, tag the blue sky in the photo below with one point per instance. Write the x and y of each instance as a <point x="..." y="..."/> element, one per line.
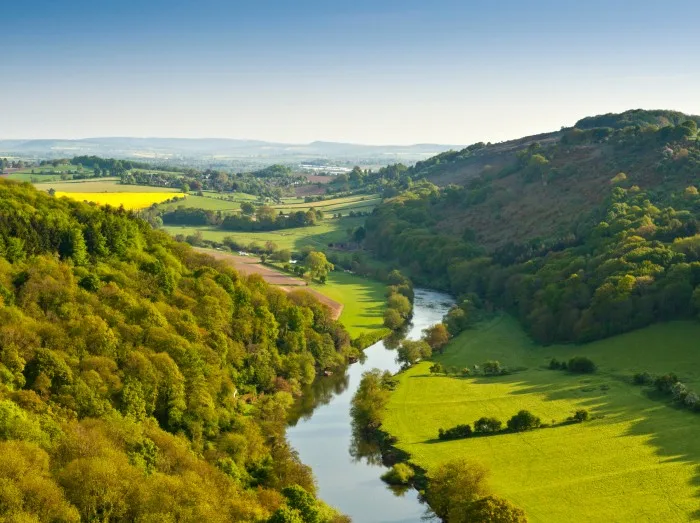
<point x="362" y="71"/>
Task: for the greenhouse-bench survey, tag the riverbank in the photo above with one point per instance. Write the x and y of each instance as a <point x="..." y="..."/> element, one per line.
<point x="573" y="472"/>
<point x="320" y="430"/>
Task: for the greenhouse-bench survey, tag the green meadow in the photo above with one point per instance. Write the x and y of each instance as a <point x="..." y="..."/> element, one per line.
<point x="637" y="460"/>
<point x="316" y="236"/>
<point x="363" y="300"/>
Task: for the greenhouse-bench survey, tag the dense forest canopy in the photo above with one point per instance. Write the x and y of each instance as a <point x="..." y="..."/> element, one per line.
<point x="620" y="252"/>
<point x="141" y="381"/>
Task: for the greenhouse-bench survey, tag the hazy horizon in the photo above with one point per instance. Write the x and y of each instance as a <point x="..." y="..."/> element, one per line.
<point x="389" y="73"/>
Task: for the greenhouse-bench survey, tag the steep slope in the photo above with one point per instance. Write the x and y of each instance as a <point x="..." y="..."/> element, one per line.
<point x="583" y="233"/>
<point x="141" y="381"/>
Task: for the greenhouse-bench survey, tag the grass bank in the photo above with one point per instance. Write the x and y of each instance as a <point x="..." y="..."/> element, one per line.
<point x="637" y="461"/>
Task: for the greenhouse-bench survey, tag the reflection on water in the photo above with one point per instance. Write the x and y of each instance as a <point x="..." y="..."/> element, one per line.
<point x="348" y="469"/>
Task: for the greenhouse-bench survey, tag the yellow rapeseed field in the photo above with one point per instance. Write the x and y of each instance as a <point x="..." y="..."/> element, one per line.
<point x="130" y="200"/>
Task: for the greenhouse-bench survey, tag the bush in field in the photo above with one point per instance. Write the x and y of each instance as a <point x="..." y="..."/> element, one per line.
<point x="666" y="382"/>
<point x="492" y="368"/>
<point x="523" y="420"/>
<point x="555" y="364"/>
<point x="643" y="378"/>
<point x="581" y="415"/>
<point x="679" y="391"/>
<point x="581" y="365"/>
<point x="437" y="368"/>
<point x="692" y="400"/>
<point x="487" y="425"/>
<point x="457" y="432"/>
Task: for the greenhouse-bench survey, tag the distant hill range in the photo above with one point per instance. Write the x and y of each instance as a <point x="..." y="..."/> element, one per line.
<point x="222" y="150"/>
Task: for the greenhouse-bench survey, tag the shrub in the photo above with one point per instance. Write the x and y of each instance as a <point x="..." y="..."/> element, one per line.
<point x="581" y="415"/>
<point x="487" y="425"/>
<point x="581" y="365"/>
<point x="643" y="378"/>
<point x="691" y="400"/>
<point x="523" y="420"/>
<point x="555" y="364"/>
<point x="618" y="178"/>
<point x="492" y="368"/>
<point x="399" y="474"/>
<point x="437" y="368"/>
<point x="458" y="432"/>
<point x="665" y="382"/>
<point x="679" y="391"/>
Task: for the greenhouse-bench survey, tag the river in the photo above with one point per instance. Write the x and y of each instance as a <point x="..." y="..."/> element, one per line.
<point x="321" y="432"/>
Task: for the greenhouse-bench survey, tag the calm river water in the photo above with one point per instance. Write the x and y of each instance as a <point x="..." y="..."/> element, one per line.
<point x="321" y="432"/>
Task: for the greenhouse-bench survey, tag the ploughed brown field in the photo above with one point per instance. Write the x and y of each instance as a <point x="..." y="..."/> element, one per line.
<point x="251" y="265"/>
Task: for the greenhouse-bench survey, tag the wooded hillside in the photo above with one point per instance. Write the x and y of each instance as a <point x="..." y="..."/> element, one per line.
<point x="141" y="381"/>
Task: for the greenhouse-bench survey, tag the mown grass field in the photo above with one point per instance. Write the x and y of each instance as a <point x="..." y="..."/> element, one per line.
<point x="130" y="200"/>
<point x="638" y="461"/>
<point x="363" y="299"/>
<point x="317" y="236"/>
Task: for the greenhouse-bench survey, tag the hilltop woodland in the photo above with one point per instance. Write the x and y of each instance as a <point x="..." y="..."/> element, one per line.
<point x="141" y="381"/>
<point x="582" y="234"/>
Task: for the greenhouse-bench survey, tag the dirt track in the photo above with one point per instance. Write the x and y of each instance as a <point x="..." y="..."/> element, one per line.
<point x="251" y="265"/>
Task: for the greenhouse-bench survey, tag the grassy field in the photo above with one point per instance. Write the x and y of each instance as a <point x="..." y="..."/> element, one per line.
<point x="29" y="177"/>
<point x="130" y="200"/>
<point x="637" y="461"/>
<point x="317" y="236"/>
<point x="212" y="202"/>
<point x="363" y="299"/>
<point x="363" y="203"/>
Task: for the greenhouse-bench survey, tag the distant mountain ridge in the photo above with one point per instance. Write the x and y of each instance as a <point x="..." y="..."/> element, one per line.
<point x="218" y="148"/>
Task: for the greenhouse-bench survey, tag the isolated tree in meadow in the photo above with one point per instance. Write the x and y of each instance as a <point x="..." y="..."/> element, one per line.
<point x="318" y="264"/>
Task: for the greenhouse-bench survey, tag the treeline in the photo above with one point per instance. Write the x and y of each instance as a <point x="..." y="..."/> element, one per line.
<point x="265" y="218"/>
<point x="271" y="182"/>
<point x="523" y="421"/>
<point x="142" y="381"/>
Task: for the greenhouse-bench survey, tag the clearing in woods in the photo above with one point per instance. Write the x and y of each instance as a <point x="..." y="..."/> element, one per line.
<point x="637" y="460"/>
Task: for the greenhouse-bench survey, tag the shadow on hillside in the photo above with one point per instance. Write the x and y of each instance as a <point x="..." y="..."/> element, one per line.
<point x="673" y="435"/>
